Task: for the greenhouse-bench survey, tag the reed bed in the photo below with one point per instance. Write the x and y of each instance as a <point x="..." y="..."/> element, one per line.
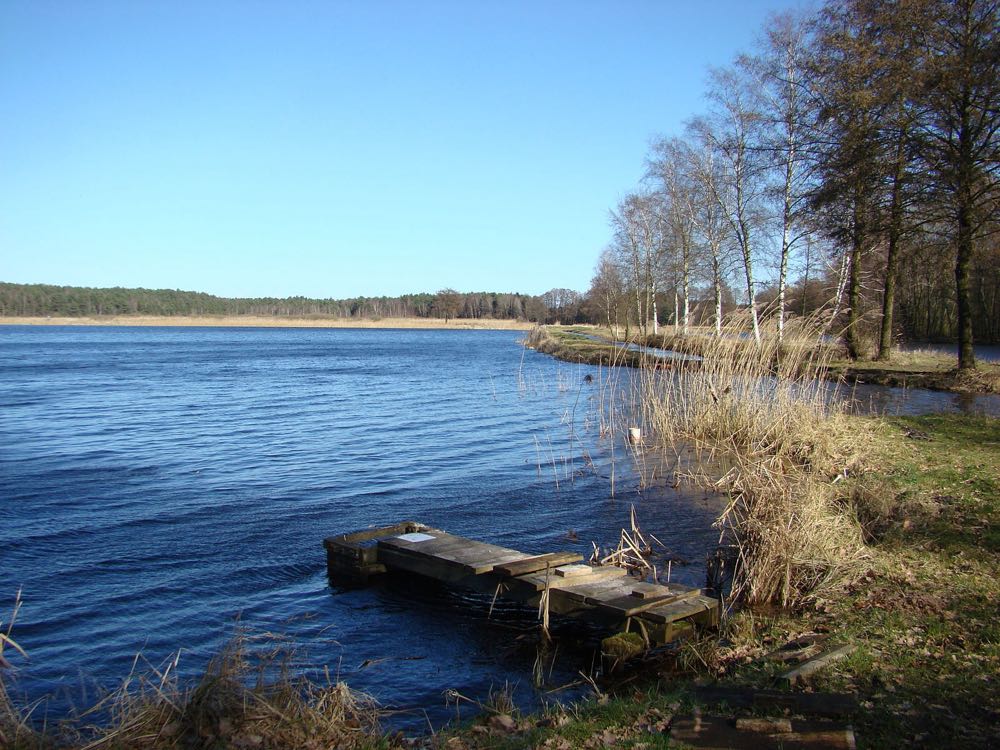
<point x="248" y="697"/>
<point x="761" y="423"/>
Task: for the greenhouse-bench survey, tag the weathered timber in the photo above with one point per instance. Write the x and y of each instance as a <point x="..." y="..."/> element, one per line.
<point x="454" y="554"/>
<point x="595" y="573"/>
<point x="828" y="705"/>
<point x="726" y="733"/>
<point x="587" y="593"/>
<point x="701" y="609"/>
<point x="808" y="668"/>
<point x="764" y="725"/>
<point x="644" y="590"/>
<point x="354" y="558"/>
<point x="572" y="571"/>
<point x="605" y="594"/>
<point x="535" y="563"/>
<point x="630" y="605"/>
<point x="460" y="564"/>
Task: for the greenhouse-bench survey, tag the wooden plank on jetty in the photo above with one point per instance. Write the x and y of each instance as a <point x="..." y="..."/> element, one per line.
<point x="538" y="581"/>
<point x="444" y="556"/>
<point x="688" y="608"/>
<point x="535" y="563"/>
<point x="605" y="594"/>
<point x="629" y="606"/>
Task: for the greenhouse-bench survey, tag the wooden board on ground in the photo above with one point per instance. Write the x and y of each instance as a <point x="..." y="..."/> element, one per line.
<point x="808" y="668"/>
<point x="830" y="705"/>
<point x="721" y="732"/>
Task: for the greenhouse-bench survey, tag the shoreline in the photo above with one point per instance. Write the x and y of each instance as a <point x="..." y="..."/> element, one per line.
<point x="260" y="321"/>
<point x="938" y="374"/>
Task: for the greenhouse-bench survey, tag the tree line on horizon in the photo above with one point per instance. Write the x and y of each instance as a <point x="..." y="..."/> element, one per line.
<point x="40" y="300"/>
<point x="846" y="167"/>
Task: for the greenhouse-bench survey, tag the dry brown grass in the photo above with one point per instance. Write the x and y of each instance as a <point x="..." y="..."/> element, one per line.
<point x="924" y="359"/>
<point x="761" y="423"/>
<point x="247" y="698"/>
<point x="252" y="321"/>
<point x="16" y="731"/>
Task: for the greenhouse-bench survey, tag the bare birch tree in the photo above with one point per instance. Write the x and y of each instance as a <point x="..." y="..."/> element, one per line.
<point x="733" y="130"/>
<point x="779" y="68"/>
<point x="670" y="169"/>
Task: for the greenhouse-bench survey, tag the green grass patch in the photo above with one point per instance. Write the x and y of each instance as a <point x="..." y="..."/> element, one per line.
<point x="924" y="618"/>
<point x="578" y="344"/>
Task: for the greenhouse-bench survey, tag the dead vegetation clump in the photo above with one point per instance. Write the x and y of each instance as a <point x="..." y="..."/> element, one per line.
<point x="16" y="730"/>
<point x="761" y="423"/>
<point x="245" y="699"/>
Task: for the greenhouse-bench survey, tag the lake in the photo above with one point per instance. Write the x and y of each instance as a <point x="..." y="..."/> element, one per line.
<point x="162" y="486"/>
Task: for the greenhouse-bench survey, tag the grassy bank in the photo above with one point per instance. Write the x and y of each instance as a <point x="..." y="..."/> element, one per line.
<point x="878" y="534"/>
<point x="921" y="617"/>
<point x="248" y="697"/>
<point x="936" y="372"/>
<point x="580" y="345"/>
<point x="250" y="321"/>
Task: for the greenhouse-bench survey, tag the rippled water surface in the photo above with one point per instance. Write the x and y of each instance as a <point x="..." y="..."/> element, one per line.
<point x="158" y="484"/>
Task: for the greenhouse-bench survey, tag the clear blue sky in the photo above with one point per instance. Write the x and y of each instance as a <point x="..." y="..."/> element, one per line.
<point x="334" y="149"/>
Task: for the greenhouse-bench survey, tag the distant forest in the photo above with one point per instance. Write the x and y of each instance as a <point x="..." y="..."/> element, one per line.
<point x="40" y="300"/>
<point x="915" y="321"/>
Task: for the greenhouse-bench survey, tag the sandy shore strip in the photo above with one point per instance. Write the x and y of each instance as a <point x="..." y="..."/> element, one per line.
<point x="253" y="321"/>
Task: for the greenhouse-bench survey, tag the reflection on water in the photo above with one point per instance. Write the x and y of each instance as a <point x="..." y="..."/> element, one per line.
<point x="876" y="399"/>
<point x="984" y="352"/>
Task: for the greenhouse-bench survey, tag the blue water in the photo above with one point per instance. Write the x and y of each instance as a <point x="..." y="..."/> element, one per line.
<point x="159" y="485"/>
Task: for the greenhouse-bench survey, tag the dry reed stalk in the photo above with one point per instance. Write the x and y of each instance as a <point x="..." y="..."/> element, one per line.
<point x="543" y="607"/>
<point x="633" y="551"/>
<point x="16" y="730"/>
